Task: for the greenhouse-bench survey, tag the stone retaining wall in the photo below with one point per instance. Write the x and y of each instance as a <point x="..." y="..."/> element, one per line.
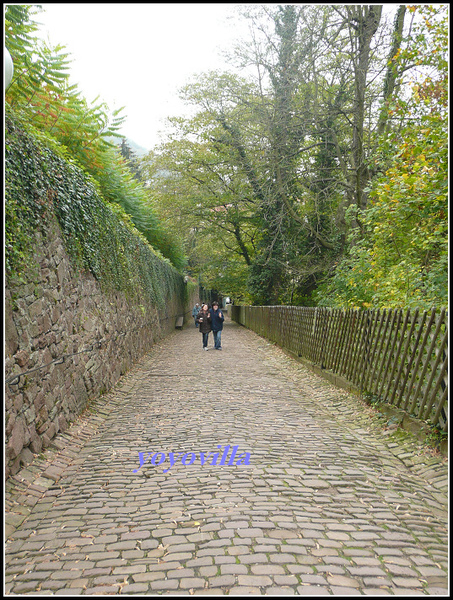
<point x="87" y="339"/>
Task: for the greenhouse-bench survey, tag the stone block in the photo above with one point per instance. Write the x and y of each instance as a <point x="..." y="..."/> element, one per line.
<point x="44" y="323"/>
<point x="16" y="442"/>
<point x="11" y="335"/>
<point x="14" y="465"/>
<point x="26" y="456"/>
<point x="42" y="422"/>
<point x="46" y="441"/>
<point x="18" y="402"/>
<point x="22" y="358"/>
<point x="51" y="431"/>
<point x="39" y="401"/>
<point x="55" y="314"/>
<point x="36" y="444"/>
<point x="50" y="401"/>
<point x="89" y="324"/>
<point x="10" y="419"/>
<point x="62" y="423"/>
<point x="61" y="273"/>
<point x="30" y="414"/>
<point x="35" y="308"/>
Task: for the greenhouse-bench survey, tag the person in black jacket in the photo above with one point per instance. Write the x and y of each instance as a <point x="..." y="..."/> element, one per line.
<point x="204" y="320"/>
<point x="217" y="320"/>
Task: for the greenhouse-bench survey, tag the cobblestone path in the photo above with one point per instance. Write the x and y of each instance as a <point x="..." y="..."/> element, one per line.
<point x="332" y="503"/>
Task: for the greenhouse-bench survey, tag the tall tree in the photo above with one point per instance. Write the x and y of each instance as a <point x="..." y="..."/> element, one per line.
<point x="277" y="206"/>
<point x="402" y="260"/>
<point x="299" y="134"/>
<point x="195" y="185"/>
<point x="363" y="23"/>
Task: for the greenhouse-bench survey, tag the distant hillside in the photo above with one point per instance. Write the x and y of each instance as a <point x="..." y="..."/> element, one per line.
<point x="138" y="150"/>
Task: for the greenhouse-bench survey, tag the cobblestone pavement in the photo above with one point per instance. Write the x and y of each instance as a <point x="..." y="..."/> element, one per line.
<point x="333" y="502"/>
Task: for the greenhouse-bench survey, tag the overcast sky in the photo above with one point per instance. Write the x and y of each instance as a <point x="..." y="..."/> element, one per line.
<point x="139" y="55"/>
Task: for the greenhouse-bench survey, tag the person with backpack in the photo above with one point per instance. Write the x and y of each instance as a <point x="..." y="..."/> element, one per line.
<point x="195" y="311"/>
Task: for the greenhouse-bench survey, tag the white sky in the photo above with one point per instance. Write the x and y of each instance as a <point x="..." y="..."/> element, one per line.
<point x="139" y="55"/>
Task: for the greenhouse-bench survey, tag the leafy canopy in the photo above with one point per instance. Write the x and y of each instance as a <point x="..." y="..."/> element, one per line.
<point x="402" y="260"/>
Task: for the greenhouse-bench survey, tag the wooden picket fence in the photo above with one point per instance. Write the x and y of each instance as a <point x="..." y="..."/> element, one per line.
<point x="399" y="357"/>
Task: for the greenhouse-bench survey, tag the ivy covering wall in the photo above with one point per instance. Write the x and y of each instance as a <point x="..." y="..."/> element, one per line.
<point x="86" y="295"/>
<point x="99" y="236"/>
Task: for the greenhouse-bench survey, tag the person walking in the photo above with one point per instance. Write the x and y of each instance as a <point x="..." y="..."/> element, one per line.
<point x="204" y="321"/>
<point x="195" y="311"/>
<point x="217" y="320"/>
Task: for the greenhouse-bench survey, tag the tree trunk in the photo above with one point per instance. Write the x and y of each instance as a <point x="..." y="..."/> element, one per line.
<point x="364" y="21"/>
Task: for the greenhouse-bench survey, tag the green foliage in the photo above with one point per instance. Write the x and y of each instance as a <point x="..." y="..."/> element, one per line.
<point x="25" y="201"/>
<point x="337" y="149"/>
<point x="274" y="151"/>
<point x="263" y="280"/>
<point x="225" y="273"/>
<point x="325" y="154"/>
<point x="35" y="67"/>
<point x="99" y="237"/>
<point x="401" y="260"/>
<point x="437" y="437"/>
<point x="200" y="195"/>
<point x="42" y="97"/>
